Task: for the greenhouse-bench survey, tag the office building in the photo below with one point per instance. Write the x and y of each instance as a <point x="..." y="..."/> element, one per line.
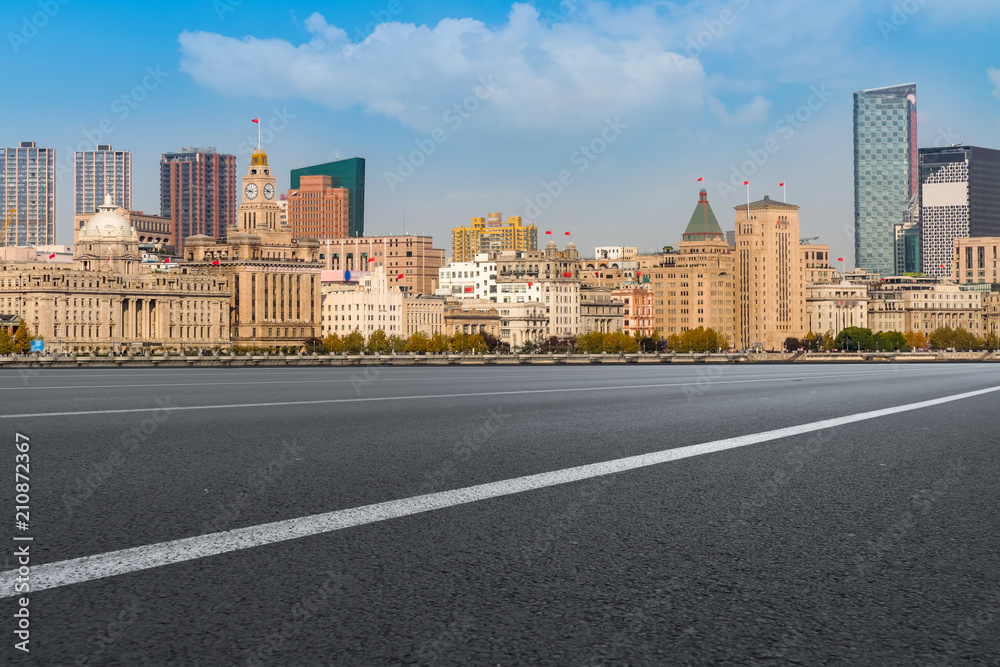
<point x="695" y="287"/>
<point x="833" y="308"/>
<point x="198" y="192"/>
<point x="885" y="171"/>
<point x="349" y="174"/>
<point x="771" y="285"/>
<point x="959" y="198"/>
<point x="28" y="186"/>
<point x="411" y="262"/>
<point x="318" y="209"/>
<point x="275" y="280"/>
<point x="372" y="304"/>
<point x="816" y="263"/>
<point x="974" y="262"/>
<point x="99" y="172"/>
<point x="492" y="235"/>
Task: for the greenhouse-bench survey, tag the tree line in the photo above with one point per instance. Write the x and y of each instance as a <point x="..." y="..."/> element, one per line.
<point x="863" y="340"/>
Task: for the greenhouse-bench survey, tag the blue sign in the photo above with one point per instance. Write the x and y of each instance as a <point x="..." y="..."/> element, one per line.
<point x="347" y="275"/>
<point x="38" y="345"/>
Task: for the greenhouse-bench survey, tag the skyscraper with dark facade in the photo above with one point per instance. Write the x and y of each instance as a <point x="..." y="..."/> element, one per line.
<point x="348" y="174"/>
<point x="959" y="198"/>
<point x="28" y="185"/>
<point x="885" y="171"/>
<point x="198" y="192"/>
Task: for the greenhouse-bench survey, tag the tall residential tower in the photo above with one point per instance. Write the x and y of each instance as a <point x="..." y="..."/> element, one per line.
<point x="198" y="192"/>
<point x="885" y="171"/>
<point x="96" y="173"/>
<point x="28" y="186"/>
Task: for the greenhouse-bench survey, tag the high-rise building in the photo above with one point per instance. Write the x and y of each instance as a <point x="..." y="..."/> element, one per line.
<point x="318" y="209"/>
<point x="770" y="290"/>
<point x="959" y="198"/>
<point x="492" y="235"/>
<point x="348" y="174"/>
<point x="198" y="192"/>
<point x="99" y="172"/>
<point x="885" y="171"/>
<point x="274" y="279"/>
<point x="907" y="235"/>
<point x="695" y="287"/>
<point x="28" y="186"/>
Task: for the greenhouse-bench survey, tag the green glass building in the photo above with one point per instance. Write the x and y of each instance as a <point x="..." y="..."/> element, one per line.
<point x="348" y="174"/>
<point x="885" y="171"/>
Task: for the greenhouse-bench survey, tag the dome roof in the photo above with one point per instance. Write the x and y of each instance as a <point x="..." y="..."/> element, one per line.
<point x="107" y="224"/>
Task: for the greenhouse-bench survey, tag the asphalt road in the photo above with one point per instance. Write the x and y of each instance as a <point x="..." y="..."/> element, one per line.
<point x="869" y="542"/>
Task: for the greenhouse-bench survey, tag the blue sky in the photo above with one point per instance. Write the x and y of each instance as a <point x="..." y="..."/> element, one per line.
<point x="585" y="116"/>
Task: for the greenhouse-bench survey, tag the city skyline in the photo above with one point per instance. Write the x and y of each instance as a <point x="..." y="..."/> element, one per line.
<point x="789" y="122"/>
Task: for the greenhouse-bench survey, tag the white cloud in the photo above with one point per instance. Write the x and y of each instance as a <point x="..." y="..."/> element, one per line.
<point x="754" y="111"/>
<point x="994" y="75"/>
<point x="572" y="73"/>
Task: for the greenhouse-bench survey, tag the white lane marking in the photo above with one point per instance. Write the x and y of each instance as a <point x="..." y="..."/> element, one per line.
<point x="124" y="561"/>
<point x="327" y="381"/>
<point x="330" y="401"/>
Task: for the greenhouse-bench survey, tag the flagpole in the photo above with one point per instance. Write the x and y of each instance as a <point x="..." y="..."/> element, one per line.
<point x="258" y="132"/>
<point x="747" y="183"/>
<point x="784" y="194"/>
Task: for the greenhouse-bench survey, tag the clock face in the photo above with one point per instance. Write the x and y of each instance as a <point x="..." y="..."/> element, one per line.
<point x="251" y="191"/>
<point x="269" y="191"/>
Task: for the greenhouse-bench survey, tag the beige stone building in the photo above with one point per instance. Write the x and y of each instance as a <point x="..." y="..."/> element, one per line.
<point x="423" y="312"/>
<point x="816" y="264"/>
<point x="833" y="308"/>
<point x="155" y="229"/>
<point x="974" y="261"/>
<point x="521" y="323"/>
<point x="991" y="314"/>
<point x="275" y="280"/>
<point x="372" y="304"/>
<point x="471" y="317"/>
<point x="554" y="273"/>
<point x="107" y="300"/>
<point x="771" y="299"/>
<point x="600" y="311"/>
<point x="901" y="305"/>
<point x="410" y="262"/>
<point x="695" y="287"/>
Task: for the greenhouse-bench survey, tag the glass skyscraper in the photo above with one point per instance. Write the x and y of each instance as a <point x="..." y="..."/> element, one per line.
<point x="348" y="174"/>
<point x="28" y="185"/>
<point x="885" y="171"/>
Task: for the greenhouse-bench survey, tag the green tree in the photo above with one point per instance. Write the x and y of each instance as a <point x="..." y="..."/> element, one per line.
<point x="332" y="343"/>
<point x="397" y="343"/>
<point x="792" y="344"/>
<point x="812" y="342"/>
<point x="378" y="343"/>
<point x="417" y="342"/>
<point x="828" y="342"/>
<point x="22" y="339"/>
<point x="6" y="340"/>
<point x="960" y="339"/>
<point x="890" y="341"/>
<point x="591" y="342"/>
<point x="438" y="343"/>
<point x="354" y="342"/>
<point x="459" y="342"/>
<point x="476" y="344"/>
<point x="855" y="338"/>
<point x="992" y="342"/>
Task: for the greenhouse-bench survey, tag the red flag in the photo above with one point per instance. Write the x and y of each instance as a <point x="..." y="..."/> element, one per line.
<point x="840" y="259"/>
<point x="597" y="274"/>
<point x="530" y="284"/>
<point x="548" y="232"/>
<point x="746" y="182"/>
<point x="468" y="289"/>
<point x="109" y="260"/>
<point x="701" y="178"/>
<point x="371" y="259"/>
<point x="52" y="256"/>
<point x="215" y="263"/>
<point x="399" y="277"/>
<point x="256" y="120"/>
<point x="942" y="266"/>
<point x="782" y="184"/>
<point x="166" y="261"/>
<point x="567" y="274"/>
<point x="567" y="234"/>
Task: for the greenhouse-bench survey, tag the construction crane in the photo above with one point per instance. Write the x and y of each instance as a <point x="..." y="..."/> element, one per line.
<point x="811" y="238"/>
<point x="6" y="224"/>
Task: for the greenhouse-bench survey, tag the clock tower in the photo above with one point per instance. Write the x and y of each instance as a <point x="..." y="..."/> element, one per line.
<point x="258" y="210"/>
